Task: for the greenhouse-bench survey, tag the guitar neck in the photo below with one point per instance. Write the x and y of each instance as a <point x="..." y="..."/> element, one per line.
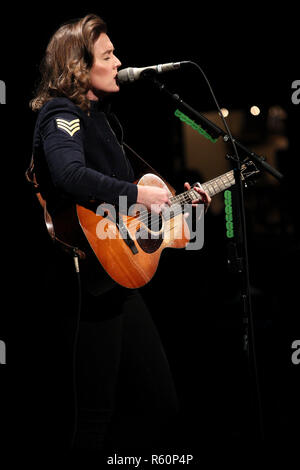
<point x="212" y="187"/>
<point x="219" y="184"/>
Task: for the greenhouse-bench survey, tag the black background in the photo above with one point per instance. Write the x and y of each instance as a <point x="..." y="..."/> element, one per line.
<point x="249" y="57"/>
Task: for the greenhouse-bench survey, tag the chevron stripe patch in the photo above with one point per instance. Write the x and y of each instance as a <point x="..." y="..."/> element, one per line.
<point x="71" y="127"/>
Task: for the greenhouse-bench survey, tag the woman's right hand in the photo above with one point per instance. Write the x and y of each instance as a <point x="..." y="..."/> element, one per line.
<point x="153" y="198"/>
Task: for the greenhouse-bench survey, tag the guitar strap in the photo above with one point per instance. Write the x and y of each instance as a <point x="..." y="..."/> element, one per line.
<point x="31" y="178"/>
<point x="140" y="166"/>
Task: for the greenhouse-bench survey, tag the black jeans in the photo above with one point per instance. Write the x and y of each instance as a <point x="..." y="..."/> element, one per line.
<point x="125" y="391"/>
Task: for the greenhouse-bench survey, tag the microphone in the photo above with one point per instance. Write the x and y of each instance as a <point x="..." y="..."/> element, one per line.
<point x="132" y="73"/>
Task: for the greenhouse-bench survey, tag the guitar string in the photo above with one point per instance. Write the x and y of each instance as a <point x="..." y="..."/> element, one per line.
<point x="148" y="216"/>
<point x="185" y="197"/>
<point x="182" y="198"/>
<point x="212" y="187"/>
<point x="155" y="225"/>
<point x="178" y="209"/>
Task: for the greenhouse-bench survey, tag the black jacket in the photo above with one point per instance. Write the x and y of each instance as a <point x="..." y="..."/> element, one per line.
<point x="79" y="157"/>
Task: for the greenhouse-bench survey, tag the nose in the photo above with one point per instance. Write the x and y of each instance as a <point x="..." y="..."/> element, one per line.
<point x="117" y="62"/>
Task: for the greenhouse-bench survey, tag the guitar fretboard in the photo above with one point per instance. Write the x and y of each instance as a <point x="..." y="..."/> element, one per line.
<point x="212" y="187"/>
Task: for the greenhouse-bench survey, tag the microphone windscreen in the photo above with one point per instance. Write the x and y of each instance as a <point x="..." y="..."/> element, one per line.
<point x="124" y="75"/>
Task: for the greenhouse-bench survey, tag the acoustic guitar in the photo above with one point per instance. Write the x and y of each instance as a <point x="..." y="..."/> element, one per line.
<point x="129" y="247"/>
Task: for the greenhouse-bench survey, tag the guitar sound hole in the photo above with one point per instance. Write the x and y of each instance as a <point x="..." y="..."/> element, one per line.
<point x="150" y="236"/>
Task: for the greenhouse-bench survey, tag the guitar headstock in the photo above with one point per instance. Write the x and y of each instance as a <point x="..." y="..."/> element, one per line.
<point x="249" y="173"/>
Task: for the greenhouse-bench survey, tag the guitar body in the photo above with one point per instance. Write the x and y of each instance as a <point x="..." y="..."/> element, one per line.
<point x="128" y="246"/>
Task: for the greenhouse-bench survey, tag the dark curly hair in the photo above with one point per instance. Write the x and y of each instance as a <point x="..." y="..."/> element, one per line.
<point x="67" y="62"/>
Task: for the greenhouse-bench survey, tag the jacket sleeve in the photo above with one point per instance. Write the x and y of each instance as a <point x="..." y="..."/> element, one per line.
<point x="61" y="133"/>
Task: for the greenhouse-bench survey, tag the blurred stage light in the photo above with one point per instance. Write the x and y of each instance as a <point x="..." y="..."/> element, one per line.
<point x="225" y="112"/>
<point x="254" y="110"/>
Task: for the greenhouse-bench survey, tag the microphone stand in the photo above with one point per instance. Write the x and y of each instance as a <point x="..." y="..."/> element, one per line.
<point x="241" y="260"/>
<point x="212" y="128"/>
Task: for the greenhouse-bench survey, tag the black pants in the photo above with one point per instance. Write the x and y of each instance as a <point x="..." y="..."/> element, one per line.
<point x="125" y="394"/>
<point x="125" y="388"/>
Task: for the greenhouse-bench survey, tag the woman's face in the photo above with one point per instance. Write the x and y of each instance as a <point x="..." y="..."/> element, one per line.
<point x="104" y="69"/>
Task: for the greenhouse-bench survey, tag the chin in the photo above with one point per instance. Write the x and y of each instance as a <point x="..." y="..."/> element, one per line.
<point x="113" y="89"/>
<point x="116" y="87"/>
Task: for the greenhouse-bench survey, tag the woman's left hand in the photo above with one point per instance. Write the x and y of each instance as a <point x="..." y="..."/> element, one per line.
<point x="203" y="196"/>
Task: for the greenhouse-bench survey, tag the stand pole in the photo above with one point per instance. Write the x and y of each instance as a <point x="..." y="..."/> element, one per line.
<point x="242" y="251"/>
